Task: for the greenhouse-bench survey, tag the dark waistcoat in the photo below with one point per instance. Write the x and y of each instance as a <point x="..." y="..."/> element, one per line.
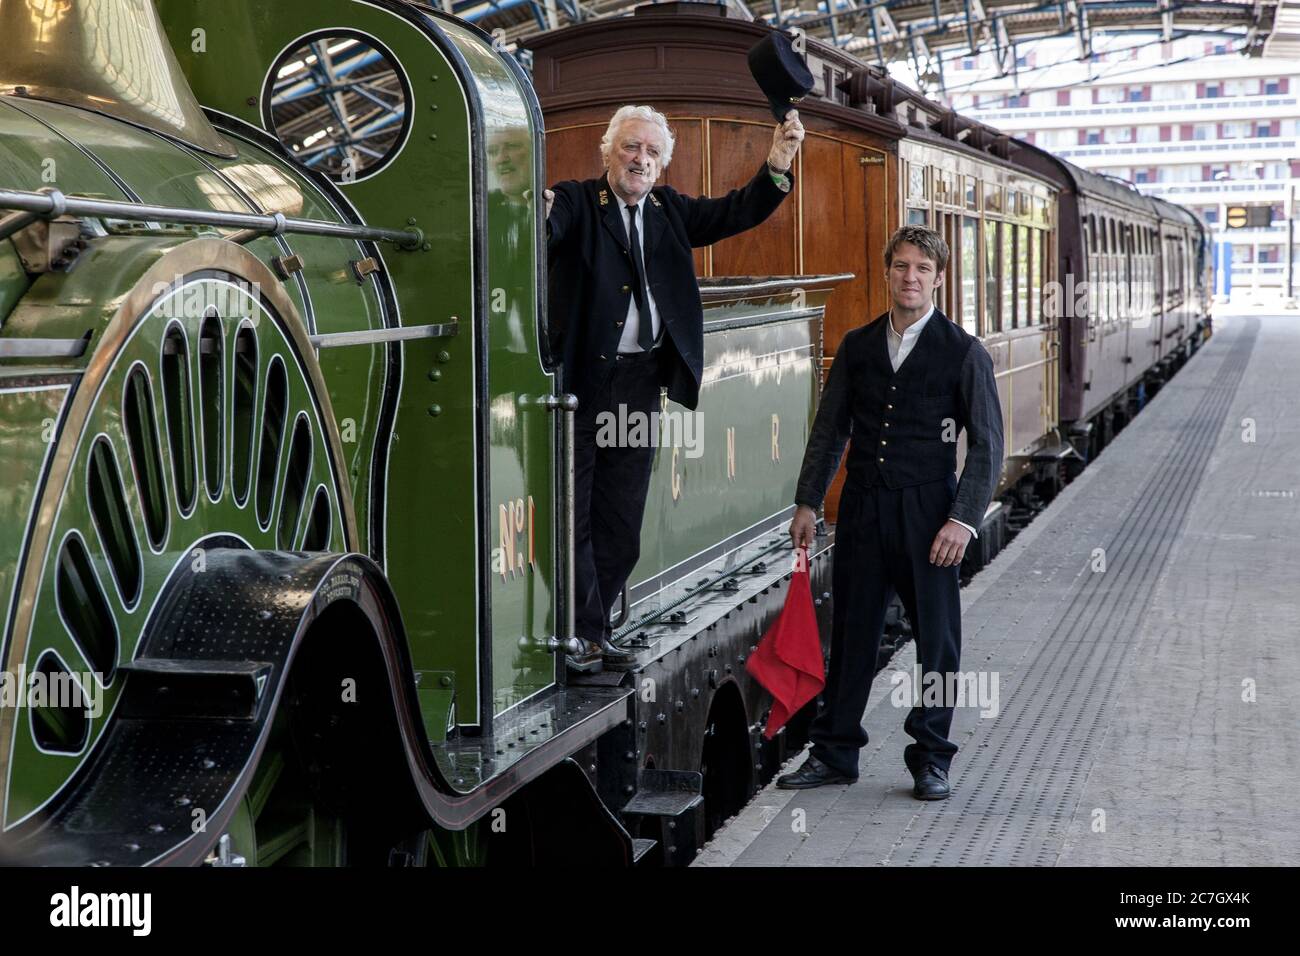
<point x="905" y="423"/>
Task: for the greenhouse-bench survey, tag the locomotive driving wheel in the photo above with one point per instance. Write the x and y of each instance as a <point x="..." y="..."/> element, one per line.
<point x="200" y="417"/>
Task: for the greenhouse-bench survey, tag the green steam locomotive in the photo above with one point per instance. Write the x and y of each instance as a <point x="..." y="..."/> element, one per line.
<point x="284" y="566"/>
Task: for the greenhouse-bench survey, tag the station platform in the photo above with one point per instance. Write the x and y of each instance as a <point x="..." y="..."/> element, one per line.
<point x="1147" y="712"/>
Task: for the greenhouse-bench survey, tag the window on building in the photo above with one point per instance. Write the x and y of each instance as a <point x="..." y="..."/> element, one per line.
<point x="1092" y="137"/>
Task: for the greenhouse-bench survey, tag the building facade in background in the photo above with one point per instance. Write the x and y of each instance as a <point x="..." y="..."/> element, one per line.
<point x="1189" y="121"/>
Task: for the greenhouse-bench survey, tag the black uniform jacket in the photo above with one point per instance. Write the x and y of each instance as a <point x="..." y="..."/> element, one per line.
<point x="904" y="424"/>
<point x="591" y="274"/>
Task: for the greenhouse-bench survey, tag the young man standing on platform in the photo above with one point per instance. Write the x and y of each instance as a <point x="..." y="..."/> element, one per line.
<point x="901" y="388"/>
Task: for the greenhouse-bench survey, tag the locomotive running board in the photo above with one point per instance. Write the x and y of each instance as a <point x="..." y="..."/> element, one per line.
<point x="560" y="721"/>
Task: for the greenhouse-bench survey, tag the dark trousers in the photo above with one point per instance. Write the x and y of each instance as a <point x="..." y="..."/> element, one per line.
<point x="882" y="547"/>
<point x="610" y="485"/>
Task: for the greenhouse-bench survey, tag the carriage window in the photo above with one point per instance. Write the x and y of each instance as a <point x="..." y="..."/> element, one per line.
<point x="972" y="193"/>
<point x="917" y="217"/>
<point x="943" y="191"/>
<point x="969" y="275"/>
<point x="1128" y="266"/>
<point x="915" y="181"/>
<point x="992" y="259"/>
<point x="1040" y="272"/>
<point x="1008" y="276"/>
<point x="1022" y="275"/>
<point x="337" y="104"/>
<point x="992" y="197"/>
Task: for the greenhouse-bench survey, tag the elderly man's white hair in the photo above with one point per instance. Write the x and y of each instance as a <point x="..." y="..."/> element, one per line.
<point x="650" y="115"/>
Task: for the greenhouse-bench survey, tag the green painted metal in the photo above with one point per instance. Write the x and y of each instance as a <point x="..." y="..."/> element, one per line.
<point x="66" y="511"/>
<point x="437" y="535"/>
<point x="14" y="282"/>
<point x="735" y="461"/>
<point x="30" y="408"/>
<point x="437" y="456"/>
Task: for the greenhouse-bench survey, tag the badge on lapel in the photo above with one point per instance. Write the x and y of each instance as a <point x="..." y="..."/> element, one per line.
<point x="655" y="199"/>
<point x="604" y="197"/>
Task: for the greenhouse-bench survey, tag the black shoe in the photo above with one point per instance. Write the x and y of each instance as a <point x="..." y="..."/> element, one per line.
<point x="931" y="783"/>
<point x="617" y="657"/>
<point x="589" y="660"/>
<point x="813" y="773"/>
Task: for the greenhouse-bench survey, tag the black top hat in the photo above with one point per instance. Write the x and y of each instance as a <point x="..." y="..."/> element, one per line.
<point x="780" y="72"/>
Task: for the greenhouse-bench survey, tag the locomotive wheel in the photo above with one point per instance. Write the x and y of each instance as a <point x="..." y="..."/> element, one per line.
<point x="278" y="822"/>
<point x="445" y="848"/>
<point x="202" y="412"/>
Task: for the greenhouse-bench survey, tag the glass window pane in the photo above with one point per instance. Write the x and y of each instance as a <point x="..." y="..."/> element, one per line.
<point x="1040" y="272"/>
<point x="916" y="217"/>
<point x="1022" y="275"/>
<point x="969" y="275"/>
<point x="992" y="260"/>
<point x="992" y="197"/>
<point x="1008" y="233"/>
<point x="915" y="181"/>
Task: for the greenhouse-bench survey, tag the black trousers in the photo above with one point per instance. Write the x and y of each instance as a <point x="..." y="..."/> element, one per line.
<point x="611" y="479"/>
<point x="882" y="547"/>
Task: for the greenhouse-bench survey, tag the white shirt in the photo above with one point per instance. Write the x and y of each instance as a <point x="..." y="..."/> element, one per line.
<point x="900" y="345"/>
<point x="632" y="324"/>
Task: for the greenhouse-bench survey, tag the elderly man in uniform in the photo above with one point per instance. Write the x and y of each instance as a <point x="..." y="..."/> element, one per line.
<point x="626" y="308"/>
<point x="901" y="387"/>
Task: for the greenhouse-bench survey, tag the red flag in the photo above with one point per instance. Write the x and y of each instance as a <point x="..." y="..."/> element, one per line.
<point x="788" y="661"/>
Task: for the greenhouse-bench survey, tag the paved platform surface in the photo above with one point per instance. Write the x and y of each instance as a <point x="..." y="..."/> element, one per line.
<point x="1148" y="712"/>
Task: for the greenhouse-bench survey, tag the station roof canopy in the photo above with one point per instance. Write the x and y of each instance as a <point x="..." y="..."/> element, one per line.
<point x="885" y="31"/>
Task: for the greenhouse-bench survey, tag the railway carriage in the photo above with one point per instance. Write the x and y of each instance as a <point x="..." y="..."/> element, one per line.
<point x="878" y="155"/>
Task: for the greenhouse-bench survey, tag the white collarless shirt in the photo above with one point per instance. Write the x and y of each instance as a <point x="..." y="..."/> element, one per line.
<point x="632" y="324"/>
<point x="900" y="345"/>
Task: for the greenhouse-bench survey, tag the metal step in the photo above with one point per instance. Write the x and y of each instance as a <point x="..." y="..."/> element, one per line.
<point x="197" y="689"/>
<point x="641" y="847"/>
<point x="665" y="793"/>
<point x="672" y="800"/>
